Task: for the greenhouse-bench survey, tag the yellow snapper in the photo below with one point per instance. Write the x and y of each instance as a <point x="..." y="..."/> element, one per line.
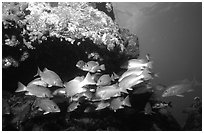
<point x="133" y="71"/>
<point x="87" y="95"/>
<point x="101" y="105"/>
<point x="93" y="66"/>
<point x="76" y="85"/>
<point x="132" y="80"/>
<point x="104" y="80"/>
<point x="80" y="64"/>
<point x="119" y="102"/>
<point x="46" y="105"/>
<point x="137" y="63"/>
<point x="38" y="81"/>
<point x="179" y="88"/>
<point x="74" y="105"/>
<point x="148" y="109"/>
<point x="36" y="90"/>
<point x="50" y="77"/>
<point x="106" y="92"/>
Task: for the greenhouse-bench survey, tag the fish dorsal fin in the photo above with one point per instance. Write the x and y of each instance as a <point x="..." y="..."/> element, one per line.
<point x="126" y="102"/>
<point x="38" y="72"/>
<point x="88" y="80"/>
<point x="45" y="69"/>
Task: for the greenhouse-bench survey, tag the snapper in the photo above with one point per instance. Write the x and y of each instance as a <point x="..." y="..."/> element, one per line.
<point x="106" y="92"/>
<point x="46" y="105"/>
<point x="36" y="90"/>
<point x="76" y="85"/>
<point x="50" y="77"/>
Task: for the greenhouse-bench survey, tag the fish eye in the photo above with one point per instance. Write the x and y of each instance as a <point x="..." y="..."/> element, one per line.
<point x="55" y="107"/>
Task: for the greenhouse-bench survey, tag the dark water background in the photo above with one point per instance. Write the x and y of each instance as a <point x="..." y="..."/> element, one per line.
<point x="172" y="34"/>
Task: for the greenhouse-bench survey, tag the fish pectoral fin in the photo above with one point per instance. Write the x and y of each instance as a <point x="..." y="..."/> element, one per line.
<point x="129" y="89"/>
<point x="40" y="109"/>
<point x="28" y="93"/>
<point x="49" y="85"/>
<point x="180" y="95"/>
<point x="46" y="113"/>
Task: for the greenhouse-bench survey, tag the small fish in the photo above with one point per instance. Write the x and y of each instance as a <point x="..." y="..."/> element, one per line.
<point x="87" y="95"/>
<point x="94" y="56"/>
<point x="104" y="80"/>
<point x="106" y="92"/>
<point x="179" y="88"/>
<point x="38" y="91"/>
<point x="137" y="63"/>
<point x="119" y="102"/>
<point x="93" y="66"/>
<point x="39" y="82"/>
<point x="46" y="105"/>
<point x="73" y="106"/>
<point x="80" y="64"/>
<point x="148" y="109"/>
<point x="160" y="87"/>
<point x="50" y="77"/>
<point x="134" y="71"/>
<point x="132" y="80"/>
<point x="161" y="105"/>
<point x="89" y="109"/>
<point x="76" y="85"/>
<point x="102" y="105"/>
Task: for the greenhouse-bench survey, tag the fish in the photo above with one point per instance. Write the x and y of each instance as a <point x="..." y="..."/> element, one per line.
<point x="76" y="85"/>
<point x="179" y="88"/>
<point x="87" y="95"/>
<point x="36" y="90"/>
<point x="93" y="66"/>
<point x="101" y="105"/>
<point x="133" y="71"/>
<point x="89" y="109"/>
<point x="137" y="63"/>
<point x="104" y="80"/>
<point x="119" y="103"/>
<point x="37" y="81"/>
<point x="50" y="77"/>
<point x="73" y="106"/>
<point x="106" y="92"/>
<point x="80" y="64"/>
<point x="161" y="105"/>
<point x="160" y="87"/>
<point x="132" y="80"/>
<point x="46" y="105"/>
<point x="148" y="109"/>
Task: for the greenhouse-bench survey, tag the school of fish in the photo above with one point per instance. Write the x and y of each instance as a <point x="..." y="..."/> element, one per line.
<point x="102" y="90"/>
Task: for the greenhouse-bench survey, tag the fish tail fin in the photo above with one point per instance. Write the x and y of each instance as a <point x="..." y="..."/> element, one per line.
<point x="38" y="72"/>
<point x="102" y="67"/>
<point x="21" y="87"/>
<point x="123" y="90"/>
<point x="114" y="76"/>
<point x="89" y="80"/>
<point x="126" y="102"/>
<point x="150" y="64"/>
